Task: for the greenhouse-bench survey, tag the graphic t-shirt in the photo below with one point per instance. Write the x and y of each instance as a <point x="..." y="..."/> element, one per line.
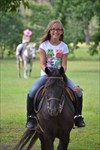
<point x="54" y="54"/>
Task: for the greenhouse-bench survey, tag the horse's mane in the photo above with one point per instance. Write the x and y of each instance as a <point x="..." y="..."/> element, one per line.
<point x="52" y="81"/>
<point x="56" y="78"/>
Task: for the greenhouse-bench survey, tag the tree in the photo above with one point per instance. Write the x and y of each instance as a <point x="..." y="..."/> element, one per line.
<point x="39" y="18"/>
<point x="76" y="16"/>
<point x="12" y="26"/>
<point x="11" y="29"/>
<point x="84" y="12"/>
<point x="95" y="38"/>
<point x="12" y="5"/>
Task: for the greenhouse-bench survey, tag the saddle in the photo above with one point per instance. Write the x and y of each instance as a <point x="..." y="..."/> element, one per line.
<point x="73" y="97"/>
<point x="71" y="94"/>
<point x="38" y="99"/>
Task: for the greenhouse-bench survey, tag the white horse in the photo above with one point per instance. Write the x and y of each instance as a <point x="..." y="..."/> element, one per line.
<point x="26" y="57"/>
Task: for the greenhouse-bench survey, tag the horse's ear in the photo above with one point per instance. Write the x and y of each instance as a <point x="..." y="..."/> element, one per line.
<point x="48" y="71"/>
<point x="61" y="70"/>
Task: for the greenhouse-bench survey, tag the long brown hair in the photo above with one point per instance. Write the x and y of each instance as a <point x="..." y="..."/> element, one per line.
<point x="47" y="35"/>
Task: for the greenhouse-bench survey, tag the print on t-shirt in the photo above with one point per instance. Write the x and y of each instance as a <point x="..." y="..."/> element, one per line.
<point x="54" y="60"/>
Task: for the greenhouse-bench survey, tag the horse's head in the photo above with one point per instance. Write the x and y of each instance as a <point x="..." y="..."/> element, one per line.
<point x="55" y="87"/>
<point x="30" y="51"/>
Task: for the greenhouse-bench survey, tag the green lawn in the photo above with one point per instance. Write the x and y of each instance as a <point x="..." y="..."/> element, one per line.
<point x="83" y="70"/>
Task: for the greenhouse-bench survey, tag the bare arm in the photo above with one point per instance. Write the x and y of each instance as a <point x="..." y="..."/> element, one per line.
<point x="43" y="59"/>
<point x="64" y="61"/>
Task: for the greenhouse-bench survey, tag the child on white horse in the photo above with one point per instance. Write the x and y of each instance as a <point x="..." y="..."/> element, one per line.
<point x="25" y="41"/>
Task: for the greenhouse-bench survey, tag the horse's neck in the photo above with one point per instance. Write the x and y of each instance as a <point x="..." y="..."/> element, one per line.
<point x="25" y="46"/>
<point x="27" y="50"/>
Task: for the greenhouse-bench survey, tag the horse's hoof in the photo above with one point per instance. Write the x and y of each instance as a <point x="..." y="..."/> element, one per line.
<point x="26" y="77"/>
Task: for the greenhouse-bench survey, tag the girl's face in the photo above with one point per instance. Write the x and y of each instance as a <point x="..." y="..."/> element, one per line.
<point x="56" y="31"/>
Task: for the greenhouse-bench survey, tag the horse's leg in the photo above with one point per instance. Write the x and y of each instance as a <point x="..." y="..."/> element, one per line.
<point x="43" y="147"/>
<point x="31" y="63"/>
<point x="25" y="69"/>
<point x="19" y="67"/>
<point x="46" y="143"/>
<point x="63" y="144"/>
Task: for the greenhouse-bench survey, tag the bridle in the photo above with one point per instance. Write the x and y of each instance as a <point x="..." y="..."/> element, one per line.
<point x="60" y="100"/>
<point x="57" y="99"/>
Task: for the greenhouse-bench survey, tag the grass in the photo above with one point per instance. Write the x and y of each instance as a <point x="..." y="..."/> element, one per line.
<point x="84" y="70"/>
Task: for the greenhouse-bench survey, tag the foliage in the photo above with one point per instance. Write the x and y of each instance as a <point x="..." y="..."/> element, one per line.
<point x="12" y="5"/>
<point x="95" y="46"/>
<point x="76" y="16"/>
<point x="39" y="18"/>
<point x="11" y="28"/>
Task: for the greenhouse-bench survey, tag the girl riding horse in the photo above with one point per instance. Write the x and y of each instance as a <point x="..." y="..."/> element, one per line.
<point x="53" y="54"/>
<point x="25" y="53"/>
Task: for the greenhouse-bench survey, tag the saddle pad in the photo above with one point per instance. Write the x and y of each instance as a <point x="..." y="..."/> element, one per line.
<point x="71" y="94"/>
<point x="38" y="96"/>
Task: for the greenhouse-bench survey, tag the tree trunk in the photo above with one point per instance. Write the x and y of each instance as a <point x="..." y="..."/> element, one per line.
<point x="2" y="50"/>
<point x="87" y="35"/>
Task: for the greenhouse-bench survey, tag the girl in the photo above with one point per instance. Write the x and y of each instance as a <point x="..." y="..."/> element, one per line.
<point x="53" y="53"/>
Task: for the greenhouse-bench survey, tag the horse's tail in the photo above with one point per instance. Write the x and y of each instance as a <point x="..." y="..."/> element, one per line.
<point x="28" y="135"/>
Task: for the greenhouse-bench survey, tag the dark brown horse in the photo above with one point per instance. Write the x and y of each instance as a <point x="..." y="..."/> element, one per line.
<point x="55" y="117"/>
